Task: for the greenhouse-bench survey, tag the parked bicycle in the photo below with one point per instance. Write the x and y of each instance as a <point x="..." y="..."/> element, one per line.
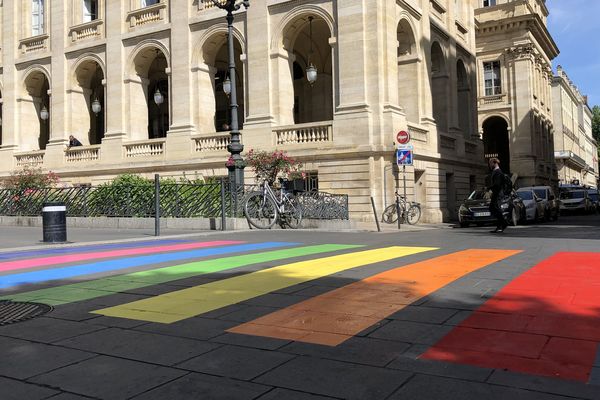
<point x="410" y="212"/>
<point x="264" y="208"/>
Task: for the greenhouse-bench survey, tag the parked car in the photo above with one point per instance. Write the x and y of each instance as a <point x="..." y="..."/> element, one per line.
<point x="549" y="200"/>
<point x="575" y="200"/>
<point x="534" y="207"/>
<point x="476" y="209"/>
<point x="595" y="199"/>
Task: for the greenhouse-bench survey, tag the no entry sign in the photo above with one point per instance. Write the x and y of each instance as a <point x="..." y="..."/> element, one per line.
<point x="403" y="137"/>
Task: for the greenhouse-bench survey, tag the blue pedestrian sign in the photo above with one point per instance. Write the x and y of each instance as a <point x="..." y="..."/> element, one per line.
<point x="404" y="156"/>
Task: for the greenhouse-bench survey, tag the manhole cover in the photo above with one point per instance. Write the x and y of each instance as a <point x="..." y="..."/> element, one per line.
<point x="17" y="311"/>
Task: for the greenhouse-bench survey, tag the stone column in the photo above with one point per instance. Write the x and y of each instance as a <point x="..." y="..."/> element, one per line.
<point x="10" y="85"/>
<point x="116" y="95"/>
<point x="56" y="26"/>
<point x="259" y="107"/>
<point x="180" y="84"/>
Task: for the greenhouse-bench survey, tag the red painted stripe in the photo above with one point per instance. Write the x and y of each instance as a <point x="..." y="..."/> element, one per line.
<point x="46" y="261"/>
<point x="545" y="322"/>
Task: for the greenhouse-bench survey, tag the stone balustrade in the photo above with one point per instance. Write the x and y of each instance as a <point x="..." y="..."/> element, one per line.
<point x="218" y="142"/>
<point x="147" y="15"/>
<point x="208" y="4"/>
<point x="493" y="99"/>
<point x="87" y="30"/>
<point x="30" y="158"/>
<point x="304" y="133"/>
<point x="34" y="44"/>
<point x="82" y="154"/>
<point x="145" y="148"/>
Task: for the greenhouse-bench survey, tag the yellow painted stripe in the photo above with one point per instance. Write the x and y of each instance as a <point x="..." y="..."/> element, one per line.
<point x="187" y="303"/>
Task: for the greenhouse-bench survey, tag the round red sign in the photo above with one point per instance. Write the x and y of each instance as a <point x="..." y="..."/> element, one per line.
<point x="403" y="137"/>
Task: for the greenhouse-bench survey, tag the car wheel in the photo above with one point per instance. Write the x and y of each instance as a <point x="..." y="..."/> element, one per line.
<point x="536" y="217"/>
<point x="464" y="224"/>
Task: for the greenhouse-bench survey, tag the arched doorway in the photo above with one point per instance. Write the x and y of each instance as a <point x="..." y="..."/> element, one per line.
<point x="464" y="99"/>
<point x="439" y="87"/>
<point x="212" y="103"/>
<point x="87" y="103"/>
<point x="35" y="106"/>
<point x="222" y="119"/>
<point x="149" y="94"/>
<point x="313" y="101"/>
<point x="408" y="71"/>
<point x="496" y="141"/>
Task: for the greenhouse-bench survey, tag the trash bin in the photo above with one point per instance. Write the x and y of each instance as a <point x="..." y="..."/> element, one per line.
<point x="54" y="222"/>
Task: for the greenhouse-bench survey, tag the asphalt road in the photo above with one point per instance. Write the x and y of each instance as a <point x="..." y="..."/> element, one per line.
<point x="432" y="314"/>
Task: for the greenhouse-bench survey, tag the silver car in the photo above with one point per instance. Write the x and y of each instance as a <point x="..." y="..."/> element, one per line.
<point x="534" y="206"/>
<point x="575" y="200"/>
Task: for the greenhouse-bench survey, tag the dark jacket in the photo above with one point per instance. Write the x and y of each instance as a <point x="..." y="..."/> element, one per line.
<point x="74" y="142"/>
<point x="497" y="184"/>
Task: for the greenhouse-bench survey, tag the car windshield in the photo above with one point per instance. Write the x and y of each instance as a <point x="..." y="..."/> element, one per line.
<point x="541" y="193"/>
<point x="574" y="194"/>
<point x="479" y="195"/>
<point x="525" y="195"/>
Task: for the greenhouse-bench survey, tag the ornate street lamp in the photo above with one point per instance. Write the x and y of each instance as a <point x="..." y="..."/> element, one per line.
<point x="158" y="97"/>
<point x="44" y="114"/>
<point x="96" y="106"/>
<point x="227" y="86"/>
<point x="236" y="162"/>
<point x="311" y="70"/>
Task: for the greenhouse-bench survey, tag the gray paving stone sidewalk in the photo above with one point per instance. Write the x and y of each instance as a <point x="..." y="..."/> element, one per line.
<point x="72" y="354"/>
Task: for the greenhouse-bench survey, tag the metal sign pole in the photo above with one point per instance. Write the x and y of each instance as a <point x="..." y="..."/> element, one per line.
<point x="404" y="179"/>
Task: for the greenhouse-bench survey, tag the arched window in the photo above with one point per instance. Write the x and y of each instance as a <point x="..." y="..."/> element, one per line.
<point x="439" y="87"/>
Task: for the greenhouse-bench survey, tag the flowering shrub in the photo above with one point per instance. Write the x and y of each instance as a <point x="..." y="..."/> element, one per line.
<point x="238" y="163"/>
<point x="29" y="179"/>
<point x="268" y="166"/>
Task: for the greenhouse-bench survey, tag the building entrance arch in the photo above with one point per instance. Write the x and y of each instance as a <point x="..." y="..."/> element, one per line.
<point x="496" y="141"/>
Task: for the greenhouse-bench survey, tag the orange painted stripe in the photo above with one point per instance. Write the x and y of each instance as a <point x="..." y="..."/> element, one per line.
<point x="334" y="317"/>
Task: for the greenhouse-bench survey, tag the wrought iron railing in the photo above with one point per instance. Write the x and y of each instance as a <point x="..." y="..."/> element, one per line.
<point x="177" y="200"/>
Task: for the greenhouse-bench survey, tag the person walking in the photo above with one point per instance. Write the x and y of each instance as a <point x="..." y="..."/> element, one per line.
<point x="497" y="188"/>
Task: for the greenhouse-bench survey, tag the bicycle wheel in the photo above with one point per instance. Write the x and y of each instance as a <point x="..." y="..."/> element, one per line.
<point x="260" y="211"/>
<point x="390" y="214"/>
<point x="413" y="214"/>
<point x="292" y="216"/>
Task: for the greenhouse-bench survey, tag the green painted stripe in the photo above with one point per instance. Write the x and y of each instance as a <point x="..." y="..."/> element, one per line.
<point x="114" y="284"/>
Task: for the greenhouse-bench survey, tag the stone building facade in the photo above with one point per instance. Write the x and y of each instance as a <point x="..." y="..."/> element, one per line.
<point x="139" y="83"/>
<point x="514" y="58"/>
<point x="574" y="145"/>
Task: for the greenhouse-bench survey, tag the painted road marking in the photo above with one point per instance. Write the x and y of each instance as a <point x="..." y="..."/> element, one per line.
<point x="114" y="265"/>
<point x="334" y="317"/>
<point x="545" y="322"/>
<point x="47" y="261"/>
<point x="120" y="283"/>
<point x="187" y="303"/>
<point x="80" y="249"/>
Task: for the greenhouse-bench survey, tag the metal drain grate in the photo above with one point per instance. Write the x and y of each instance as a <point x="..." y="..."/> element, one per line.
<point x="17" y="311"/>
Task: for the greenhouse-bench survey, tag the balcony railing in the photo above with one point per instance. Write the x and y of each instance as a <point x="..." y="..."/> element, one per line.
<point x="147" y="15"/>
<point x="82" y="154"/>
<point x="87" y="30"/>
<point x="34" y="44"/>
<point x="145" y="148"/>
<point x="208" y="4"/>
<point x="496" y="98"/>
<point x="217" y="142"/>
<point x="30" y="158"/>
<point x="304" y="133"/>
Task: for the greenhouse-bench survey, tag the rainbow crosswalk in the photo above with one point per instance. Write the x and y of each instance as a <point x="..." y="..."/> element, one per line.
<point x="390" y="284"/>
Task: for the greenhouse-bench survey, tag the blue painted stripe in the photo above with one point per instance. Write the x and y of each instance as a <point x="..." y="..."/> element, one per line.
<point x="113" y="265"/>
<point x="84" y="249"/>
